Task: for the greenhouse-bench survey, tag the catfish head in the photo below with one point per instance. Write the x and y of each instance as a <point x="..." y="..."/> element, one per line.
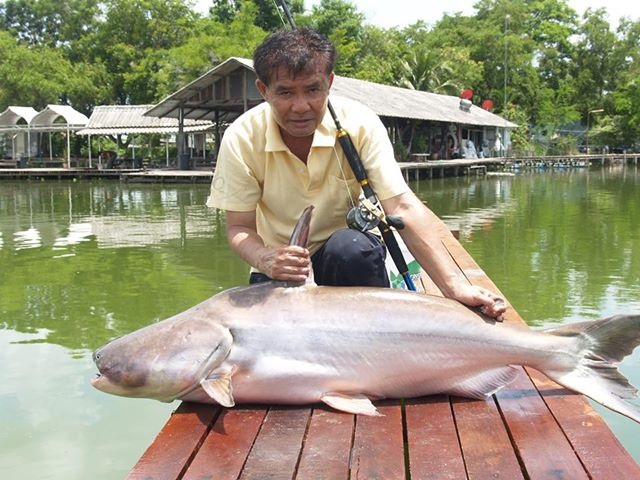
<point x="163" y="361"/>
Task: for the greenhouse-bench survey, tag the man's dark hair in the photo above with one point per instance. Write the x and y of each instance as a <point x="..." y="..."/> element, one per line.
<point x="299" y="51"/>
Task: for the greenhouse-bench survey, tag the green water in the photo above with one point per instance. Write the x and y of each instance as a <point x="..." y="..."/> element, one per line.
<point x="83" y="262"/>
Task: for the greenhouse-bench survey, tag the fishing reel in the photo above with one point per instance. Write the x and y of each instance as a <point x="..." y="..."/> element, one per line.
<point x="367" y="216"/>
<point x="361" y="218"/>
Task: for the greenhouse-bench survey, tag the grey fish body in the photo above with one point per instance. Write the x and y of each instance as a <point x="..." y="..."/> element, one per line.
<point x="345" y="346"/>
<point x="278" y="344"/>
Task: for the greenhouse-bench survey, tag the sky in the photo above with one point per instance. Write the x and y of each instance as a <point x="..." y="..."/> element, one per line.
<point x="391" y="13"/>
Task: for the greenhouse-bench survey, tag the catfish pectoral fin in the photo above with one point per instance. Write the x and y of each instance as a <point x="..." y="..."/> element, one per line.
<point x="357" y="404"/>
<point x="218" y="386"/>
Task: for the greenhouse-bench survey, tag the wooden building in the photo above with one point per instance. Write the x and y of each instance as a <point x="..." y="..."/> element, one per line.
<point x="227" y="90"/>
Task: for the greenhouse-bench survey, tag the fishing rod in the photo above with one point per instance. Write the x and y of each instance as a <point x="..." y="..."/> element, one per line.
<point x="369" y="213"/>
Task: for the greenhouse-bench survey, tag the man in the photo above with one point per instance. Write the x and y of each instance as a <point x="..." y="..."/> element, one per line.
<point x="282" y="156"/>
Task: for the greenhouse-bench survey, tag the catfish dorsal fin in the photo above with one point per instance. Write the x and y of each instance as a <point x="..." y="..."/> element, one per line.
<point x="300" y="235"/>
<point x="300" y="238"/>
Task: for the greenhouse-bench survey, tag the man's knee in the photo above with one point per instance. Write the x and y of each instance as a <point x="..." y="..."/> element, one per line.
<point x="351" y="257"/>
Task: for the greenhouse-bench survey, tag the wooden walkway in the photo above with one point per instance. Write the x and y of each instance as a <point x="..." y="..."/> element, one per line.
<point x="161" y="175"/>
<point x="532" y="429"/>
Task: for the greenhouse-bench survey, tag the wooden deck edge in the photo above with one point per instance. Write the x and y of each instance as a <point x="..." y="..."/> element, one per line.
<point x="595" y="446"/>
<point x="167" y="457"/>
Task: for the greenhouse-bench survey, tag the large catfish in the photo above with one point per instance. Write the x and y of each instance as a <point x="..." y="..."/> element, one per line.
<point x="278" y="343"/>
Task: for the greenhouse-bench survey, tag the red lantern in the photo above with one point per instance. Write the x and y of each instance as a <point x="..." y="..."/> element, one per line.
<point x="487" y="104"/>
<point x="467" y="94"/>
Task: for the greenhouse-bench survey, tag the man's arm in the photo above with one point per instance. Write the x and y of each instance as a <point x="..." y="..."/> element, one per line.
<point x="427" y="248"/>
<point x="290" y="263"/>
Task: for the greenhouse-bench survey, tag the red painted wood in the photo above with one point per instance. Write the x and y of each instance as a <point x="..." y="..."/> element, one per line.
<point x="434" y="450"/>
<point x="601" y="453"/>
<point x="172" y="450"/>
<point x="275" y="453"/>
<point x="539" y="440"/>
<point x="228" y="444"/>
<point x="556" y="435"/>
<point x="325" y="454"/>
<point x="378" y="450"/>
<point x="486" y="446"/>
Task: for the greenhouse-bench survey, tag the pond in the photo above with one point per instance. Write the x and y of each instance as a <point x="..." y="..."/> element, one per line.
<point x="83" y="262"/>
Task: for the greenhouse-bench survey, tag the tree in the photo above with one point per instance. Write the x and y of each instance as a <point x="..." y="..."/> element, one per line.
<point x="212" y="43"/>
<point x="40" y="75"/>
<point x="595" y="67"/>
<point x="55" y="23"/>
<point x="342" y="23"/>
<point x="132" y="40"/>
<point x="268" y="15"/>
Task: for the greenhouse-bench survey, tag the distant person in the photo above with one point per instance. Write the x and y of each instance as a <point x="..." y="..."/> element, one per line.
<point x="497" y="147"/>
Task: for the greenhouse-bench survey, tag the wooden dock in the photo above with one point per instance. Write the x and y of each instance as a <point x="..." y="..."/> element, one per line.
<point x="160" y="175"/>
<point x="532" y="429"/>
<point x="420" y="167"/>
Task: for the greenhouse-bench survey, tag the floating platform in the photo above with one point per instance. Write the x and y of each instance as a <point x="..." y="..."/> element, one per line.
<point x="531" y="429"/>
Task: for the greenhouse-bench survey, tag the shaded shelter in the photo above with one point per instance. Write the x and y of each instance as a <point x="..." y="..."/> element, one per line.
<point x="114" y="120"/>
<point x="15" y="121"/>
<point x="59" y="118"/>
<point x="220" y="95"/>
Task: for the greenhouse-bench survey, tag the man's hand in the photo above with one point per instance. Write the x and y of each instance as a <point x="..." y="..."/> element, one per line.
<point x="288" y="263"/>
<point x="490" y="304"/>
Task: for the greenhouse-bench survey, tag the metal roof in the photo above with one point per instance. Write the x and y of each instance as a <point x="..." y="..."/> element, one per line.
<point x="12" y="115"/>
<point x="47" y="118"/>
<point x="195" y="107"/>
<point x="130" y="119"/>
<point x="388" y="101"/>
<point x="385" y="100"/>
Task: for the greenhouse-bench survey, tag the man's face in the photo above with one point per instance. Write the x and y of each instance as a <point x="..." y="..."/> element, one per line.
<point x="298" y="103"/>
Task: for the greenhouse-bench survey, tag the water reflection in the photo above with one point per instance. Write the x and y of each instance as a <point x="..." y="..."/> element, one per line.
<point x="90" y="261"/>
<point x="83" y="262"/>
<point x="561" y="246"/>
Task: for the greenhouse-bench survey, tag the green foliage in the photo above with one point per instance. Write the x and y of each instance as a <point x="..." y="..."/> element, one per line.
<point x="532" y="57"/>
<point x="269" y="17"/>
<point x="56" y="78"/>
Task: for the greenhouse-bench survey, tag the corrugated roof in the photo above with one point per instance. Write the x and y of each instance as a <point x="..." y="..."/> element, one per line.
<point x="385" y="100"/>
<point x="389" y="101"/>
<point x="129" y="119"/>
<point x="228" y="110"/>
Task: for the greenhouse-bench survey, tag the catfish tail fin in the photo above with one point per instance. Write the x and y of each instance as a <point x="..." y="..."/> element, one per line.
<point x="602" y="345"/>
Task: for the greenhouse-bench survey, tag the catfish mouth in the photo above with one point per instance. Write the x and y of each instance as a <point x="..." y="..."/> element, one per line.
<point x="102" y="383"/>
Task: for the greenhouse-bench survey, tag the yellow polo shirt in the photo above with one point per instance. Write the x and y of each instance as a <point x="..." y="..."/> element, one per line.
<point x="257" y="171"/>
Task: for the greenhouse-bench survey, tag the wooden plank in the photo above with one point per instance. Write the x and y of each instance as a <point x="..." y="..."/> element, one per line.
<point x="228" y="444"/>
<point x="601" y="453"/>
<point x="327" y="446"/>
<point x="486" y="446"/>
<point x="434" y="449"/>
<point x="172" y="450"/>
<point x="593" y="442"/>
<point x="542" y="446"/>
<point x="378" y="449"/>
<point x="275" y="453"/>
